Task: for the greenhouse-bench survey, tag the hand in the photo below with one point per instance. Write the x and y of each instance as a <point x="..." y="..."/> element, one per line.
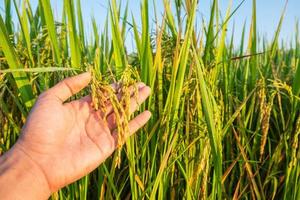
<point x="65" y="141"/>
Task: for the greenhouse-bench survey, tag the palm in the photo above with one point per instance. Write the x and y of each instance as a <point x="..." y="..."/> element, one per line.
<point x="69" y="140"/>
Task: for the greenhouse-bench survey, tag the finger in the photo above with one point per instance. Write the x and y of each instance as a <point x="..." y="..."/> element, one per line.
<point x="135" y="102"/>
<point x="70" y="86"/>
<point x="134" y="125"/>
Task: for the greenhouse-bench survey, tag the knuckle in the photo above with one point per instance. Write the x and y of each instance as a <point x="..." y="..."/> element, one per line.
<point x="42" y="96"/>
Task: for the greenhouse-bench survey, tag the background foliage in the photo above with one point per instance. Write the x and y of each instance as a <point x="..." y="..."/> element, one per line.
<point x="226" y="118"/>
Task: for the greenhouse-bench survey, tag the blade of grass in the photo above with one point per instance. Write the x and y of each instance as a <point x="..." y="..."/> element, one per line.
<point x="20" y="78"/>
<point x="117" y="40"/>
<point x="46" y="12"/>
<point x="80" y="23"/>
<point x="73" y="38"/>
<point x="23" y="20"/>
<point x="214" y="135"/>
<point x="37" y="70"/>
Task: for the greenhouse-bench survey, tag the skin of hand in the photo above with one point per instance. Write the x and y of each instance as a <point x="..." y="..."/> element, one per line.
<point x="62" y="141"/>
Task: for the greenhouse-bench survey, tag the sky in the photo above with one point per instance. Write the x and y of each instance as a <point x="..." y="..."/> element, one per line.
<point x="268" y="15"/>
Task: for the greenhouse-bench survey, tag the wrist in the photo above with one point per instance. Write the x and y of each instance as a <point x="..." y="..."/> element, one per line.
<point x="20" y="177"/>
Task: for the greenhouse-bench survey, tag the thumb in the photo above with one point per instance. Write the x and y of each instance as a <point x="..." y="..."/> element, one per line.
<point x="70" y="86"/>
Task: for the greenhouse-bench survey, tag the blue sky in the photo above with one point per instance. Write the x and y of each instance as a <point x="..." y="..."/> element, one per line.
<point x="268" y="14"/>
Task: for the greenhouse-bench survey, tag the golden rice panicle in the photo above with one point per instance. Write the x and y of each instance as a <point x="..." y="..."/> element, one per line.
<point x="127" y="86"/>
<point x="265" y="123"/>
<point x="295" y="145"/>
<point x="261" y="97"/>
<point x="103" y="93"/>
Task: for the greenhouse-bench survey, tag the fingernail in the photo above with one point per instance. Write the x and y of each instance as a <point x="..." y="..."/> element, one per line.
<point x="148" y="89"/>
<point x="148" y="113"/>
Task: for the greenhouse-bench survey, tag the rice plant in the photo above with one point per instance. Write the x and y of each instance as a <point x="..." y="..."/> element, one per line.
<point x="226" y="120"/>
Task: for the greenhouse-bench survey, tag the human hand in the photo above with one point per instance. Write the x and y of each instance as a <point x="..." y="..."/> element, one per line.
<point x="65" y="141"/>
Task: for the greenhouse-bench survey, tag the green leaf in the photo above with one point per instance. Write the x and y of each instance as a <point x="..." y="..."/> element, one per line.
<point x="73" y="38"/>
<point x="20" y="78"/>
<point x="46" y="12"/>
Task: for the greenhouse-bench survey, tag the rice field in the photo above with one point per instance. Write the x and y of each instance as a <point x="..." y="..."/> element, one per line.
<point x="225" y="121"/>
